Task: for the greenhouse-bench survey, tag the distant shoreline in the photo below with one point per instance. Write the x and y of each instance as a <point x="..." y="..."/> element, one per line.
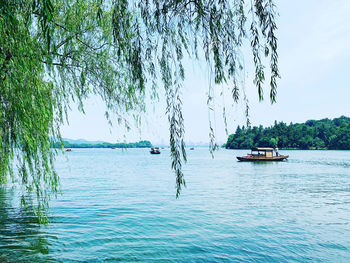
<point x="113" y="148"/>
<point x="104" y="145"/>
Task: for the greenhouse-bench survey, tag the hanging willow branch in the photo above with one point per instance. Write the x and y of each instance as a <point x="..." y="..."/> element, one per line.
<point x="53" y="52"/>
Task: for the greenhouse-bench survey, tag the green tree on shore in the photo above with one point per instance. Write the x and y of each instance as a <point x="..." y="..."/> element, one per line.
<point x="322" y="134"/>
<point x="55" y="52"/>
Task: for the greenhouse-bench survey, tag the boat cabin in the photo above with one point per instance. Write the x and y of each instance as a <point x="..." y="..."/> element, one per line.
<point x="262" y="151"/>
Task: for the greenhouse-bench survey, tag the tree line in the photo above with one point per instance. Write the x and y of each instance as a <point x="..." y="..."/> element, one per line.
<point x="140" y="144"/>
<point x="313" y="134"/>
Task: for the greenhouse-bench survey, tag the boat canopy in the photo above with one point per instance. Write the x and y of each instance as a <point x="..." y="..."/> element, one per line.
<point x="262" y="149"/>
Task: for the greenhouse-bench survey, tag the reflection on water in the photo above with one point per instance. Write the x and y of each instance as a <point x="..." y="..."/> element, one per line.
<point x="21" y="238"/>
<point x="121" y="206"/>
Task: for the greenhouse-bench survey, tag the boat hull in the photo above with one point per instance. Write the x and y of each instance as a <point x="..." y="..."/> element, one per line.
<point x="263" y="159"/>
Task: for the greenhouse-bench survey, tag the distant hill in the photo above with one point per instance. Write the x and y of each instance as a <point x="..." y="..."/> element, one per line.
<point x="313" y="134"/>
<point x="81" y="143"/>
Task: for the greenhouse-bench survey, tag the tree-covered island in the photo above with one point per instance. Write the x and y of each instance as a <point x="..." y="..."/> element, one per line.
<point x="313" y="134"/>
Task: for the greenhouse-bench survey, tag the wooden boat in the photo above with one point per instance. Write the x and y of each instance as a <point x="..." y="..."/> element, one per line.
<point x="262" y="154"/>
<point x="154" y="150"/>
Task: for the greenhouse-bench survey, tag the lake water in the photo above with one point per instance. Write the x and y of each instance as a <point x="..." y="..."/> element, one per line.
<point x="120" y="206"/>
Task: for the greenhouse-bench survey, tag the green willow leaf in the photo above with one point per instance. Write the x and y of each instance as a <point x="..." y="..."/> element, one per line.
<point x="55" y="52"/>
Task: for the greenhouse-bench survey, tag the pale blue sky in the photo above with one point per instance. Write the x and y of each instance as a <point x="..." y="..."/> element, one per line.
<point x="314" y="51"/>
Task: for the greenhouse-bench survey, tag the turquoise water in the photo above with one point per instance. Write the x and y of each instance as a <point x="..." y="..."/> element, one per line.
<point x="120" y="206"/>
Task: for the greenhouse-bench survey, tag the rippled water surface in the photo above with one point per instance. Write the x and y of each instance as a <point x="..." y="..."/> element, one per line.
<point x="120" y="206"/>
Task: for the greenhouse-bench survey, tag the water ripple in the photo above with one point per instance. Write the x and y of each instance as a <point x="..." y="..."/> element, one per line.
<point x="121" y="206"/>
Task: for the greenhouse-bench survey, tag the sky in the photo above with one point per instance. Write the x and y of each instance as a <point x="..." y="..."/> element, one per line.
<point x="314" y="62"/>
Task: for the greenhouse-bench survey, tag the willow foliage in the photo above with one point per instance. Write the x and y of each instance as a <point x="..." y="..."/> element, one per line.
<point x="53" y="52"/>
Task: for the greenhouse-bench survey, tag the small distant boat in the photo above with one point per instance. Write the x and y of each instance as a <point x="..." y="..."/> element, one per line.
<point x="68" y="150"/>
<point x="154" y="150"/>
<point x="261" y="154"/>
<point x="113" y="148"/>
<point x="192" y="149"/>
